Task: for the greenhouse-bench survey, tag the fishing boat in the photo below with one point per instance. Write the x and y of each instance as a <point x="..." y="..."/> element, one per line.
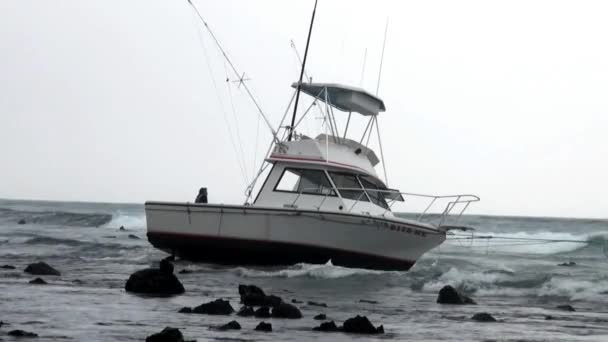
<point x="321" y="199"/>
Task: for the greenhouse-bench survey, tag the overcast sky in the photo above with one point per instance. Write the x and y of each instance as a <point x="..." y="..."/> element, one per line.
<point x="122" y="100"/>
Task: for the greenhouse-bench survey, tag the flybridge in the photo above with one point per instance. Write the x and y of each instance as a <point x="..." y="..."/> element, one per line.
<point x="344" y="98"/>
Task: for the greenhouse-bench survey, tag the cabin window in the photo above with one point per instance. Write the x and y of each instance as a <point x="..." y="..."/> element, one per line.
<point x="305" y="181"/>
<point x="377" y="197"/>
<point x="348" y="186"/>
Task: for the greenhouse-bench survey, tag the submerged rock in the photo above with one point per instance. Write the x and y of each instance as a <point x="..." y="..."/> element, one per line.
<point x="245" y="311"/>
<point x="368" y="301"/>
<point x="232" y="325"/>
<point x="8" y="267"/>
<point x="327" y="327"/>
<point x="285" y="310"/>
<point x="41" y="268"/>
<point x="167" y="335"/>
<point x="155" y="281"/>
<point x="216" y="307"/>
<point x="295" y="301"/>
<point x="311" y="303"/>
<point x="122" y="228"/>
<point x="22" y="333"/>
<point x="22" y="221"/>
<point x="263" y="312"/>
<point x="449" y="295"/>
<point x="38" y="281"/>
<point x="254" y="296"/>
<point x="567" y="264"/>
<point x="263" y="326"/>
<point x="566" y="307"/>
<point x="185" y="309"/>
<point x="361" y="325"/>
<point x="483" y="317"/>
<point x="320" y="317"/>
<point x="133" y="236"/>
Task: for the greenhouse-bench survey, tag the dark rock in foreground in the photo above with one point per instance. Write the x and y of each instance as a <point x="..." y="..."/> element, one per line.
<point x="41" y="268"/>
<point x="449" y="295"/>
<point x="311" y="303"/>
<point x="263" y="326"/>
<point x="263" y="312"/>
<point x="8" y="267"/>
<point x="320" y="317"/>
<point x="566" y="307"/>
<point x="155" y="281"/>
<point x="285" y="310"/>
<point x="361" y="325"/>
<point x="483" y="317"/>
<point x="216" y="307"/>
<point x="22" y="333"/>
<point x="232" y="325"/>
<point x="254" y="296"/>
<point x="167" y="335"/>
<point x="38" y="281"/>
<point x="327" y="327"/>
<point x="245" y="311"/>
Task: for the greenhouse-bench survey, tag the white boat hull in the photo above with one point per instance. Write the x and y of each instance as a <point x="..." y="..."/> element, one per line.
<point x="276" y="236"/>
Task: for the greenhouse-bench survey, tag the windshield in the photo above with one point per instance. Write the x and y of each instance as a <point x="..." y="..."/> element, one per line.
<point x="371" y="187"/>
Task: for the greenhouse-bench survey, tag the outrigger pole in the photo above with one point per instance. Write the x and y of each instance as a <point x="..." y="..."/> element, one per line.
<point x="295" y="107"/>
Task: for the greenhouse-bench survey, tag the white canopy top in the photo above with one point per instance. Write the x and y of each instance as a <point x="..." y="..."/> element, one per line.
<point x="344" y="98"/>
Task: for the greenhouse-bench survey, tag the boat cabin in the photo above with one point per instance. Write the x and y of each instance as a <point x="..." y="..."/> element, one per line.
<point x="329" y="172"/>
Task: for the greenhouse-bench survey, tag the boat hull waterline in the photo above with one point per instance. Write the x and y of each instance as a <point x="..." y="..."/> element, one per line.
<point x="249" y="235"/>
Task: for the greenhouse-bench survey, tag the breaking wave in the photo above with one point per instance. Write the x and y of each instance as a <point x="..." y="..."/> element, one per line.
<point x="60" y="218"/>
<point x="325" y="271"/>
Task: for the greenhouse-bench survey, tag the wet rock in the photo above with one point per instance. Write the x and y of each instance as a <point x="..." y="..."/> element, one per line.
<point x="483" y="317"/>
<point x="77" y="282"/>
<point x="245" y="311"/>
<point x="295" y="301"/>
<point x="263" y="312"/>
<point x="549" y="317"/>
<point x="155" y="281"/>
<point x="38" y="281"/>
<point x="285" y="310"/>
<point x="22" y="221"/>
<point x="449" y="295"/>
<point x="8" y="267"/>
<point x="122" y="228"/>
<point x="311" y="303"/>
<point x="368" y="301"/>
<point x="185" y="309"/>
<point x="566" y="307"/>
<point x="216" y="307"/>
<point x="567" y="264"/>
<point x="167" y="335"/>
<point x="361" y="325"/>
<point x="22" y="333"/>
<point x="133" y="236"/>
<point x="185" y="271"/>
<point x="263" y="326"/>
<point x="320" y="317"/>
<point x="254" y="296"/>
<point x="41" y="268"/>
<point x="232" y="325"/>
<point x="327" y="327"/>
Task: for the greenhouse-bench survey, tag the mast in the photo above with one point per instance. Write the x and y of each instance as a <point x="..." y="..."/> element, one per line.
<point x="295" y="107"/>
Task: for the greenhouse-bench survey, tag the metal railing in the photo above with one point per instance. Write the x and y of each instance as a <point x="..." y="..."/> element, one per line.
<point x="452" y="201"/>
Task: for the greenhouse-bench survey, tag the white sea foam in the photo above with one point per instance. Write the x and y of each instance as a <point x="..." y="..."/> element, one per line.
<point x="575" y="289"/>
<point x="326" y="271"/>
<point x="129" y="221"/>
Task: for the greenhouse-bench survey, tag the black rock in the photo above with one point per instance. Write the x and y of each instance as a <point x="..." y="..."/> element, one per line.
<point x="133" y="236"/>
<point x="327" y="327"/>
<point x="320" y="317"/>
<point x="22" y="221"/>
<point x="449" y="295"/>
<point x="254" y="296"/>
<point x="122" y="228"/>
<point x="566" y="307"/>
<point x="361" y="325"/>
<point x="22" y="333"/>
<point x="77" y="282"/>
<point x="216" y="307"/>
<point x="250" y="289"/>
<point x="368" y="301"/>
<point x="1" y="324"/>
<point x="8" y="267"/>
<point x="263" y="312"/>
<point x="568" y="264"/>
<point x="295" y="301"/>
<point x="167" y="335"/>
<point x="311" y="303"/>
<point x="38" y="281"/>
<point x="263" y="326"/>
<point x="185" y="271"/>
<point x="41" y="268"/>
<point x="185" y="309"/>
<point x="549" y="317"/>
<point x="285" y="310"/>
<point x="232" y="325"/>
<point x="245" y="311"/>
<point x="483" y="317"/>
<point x="154" y="281"/>
<point x="166" y="266"/>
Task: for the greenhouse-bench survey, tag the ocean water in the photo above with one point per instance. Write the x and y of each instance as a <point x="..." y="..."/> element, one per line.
<point x="518" y="281"/>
